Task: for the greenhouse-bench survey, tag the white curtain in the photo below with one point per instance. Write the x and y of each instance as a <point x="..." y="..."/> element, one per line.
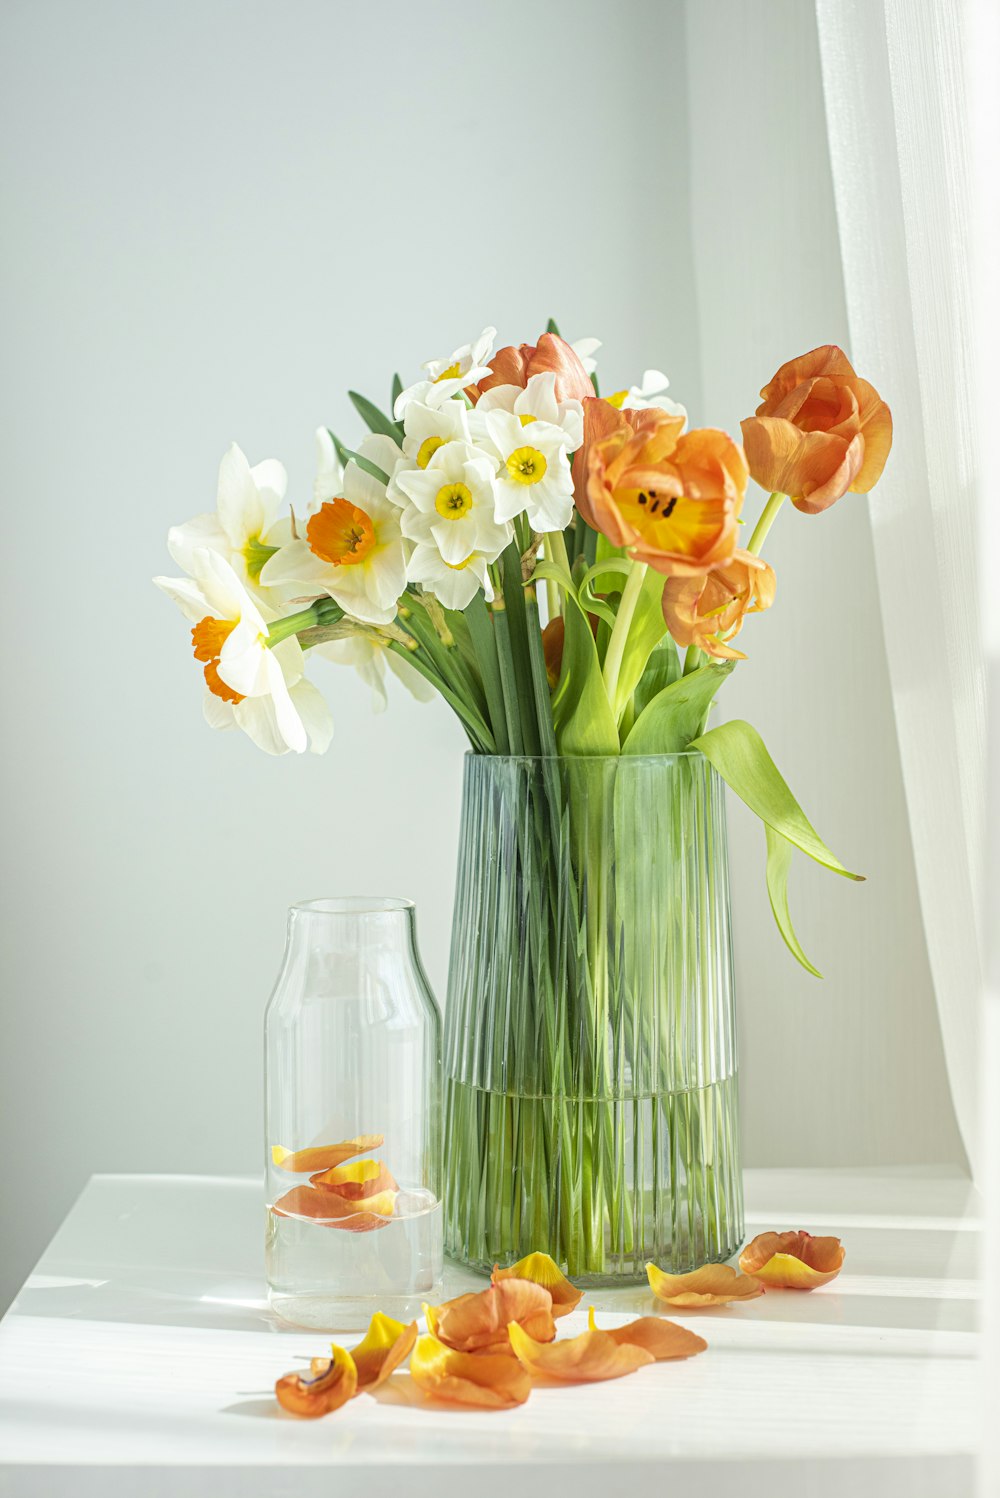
<point x="894" y="78"/>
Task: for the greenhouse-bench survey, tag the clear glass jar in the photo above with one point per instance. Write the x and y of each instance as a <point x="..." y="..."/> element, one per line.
<point x="590" y="1055"/>
<point x="353" y="1138"/>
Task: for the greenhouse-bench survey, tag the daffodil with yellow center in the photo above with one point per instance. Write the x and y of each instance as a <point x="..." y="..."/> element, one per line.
<point x="446" y="377"/>
<point x="426" y="429"/>
<point x="451" y="504"/>
<point x="526" y="465"/>
<point x="454" y="584"/>
<point x="535" y="478"/>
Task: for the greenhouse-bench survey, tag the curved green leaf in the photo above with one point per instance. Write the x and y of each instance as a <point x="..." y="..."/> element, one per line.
<point x="669" y="723"/>
<point x="365" y="463"/>
<point x="779" y="861"/>
<point x="581" y="713"/>
<point x="374" y="419"/>
<point x="739" y="754"/>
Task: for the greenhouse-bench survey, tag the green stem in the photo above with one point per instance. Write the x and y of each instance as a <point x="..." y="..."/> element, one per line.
<point x="508" y="682"/>
<point x="555" y="550"/>
<point x="767" y="519"/>
<point x="479" y="734"/>
<point x="305" y="619"/>
<point x="484" y="644"/>
<point x="539" y="675"/>
<point x="623" y="623"/>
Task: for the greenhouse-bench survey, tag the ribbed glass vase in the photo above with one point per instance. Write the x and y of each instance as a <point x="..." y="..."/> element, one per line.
<point x="590" y="1047"/>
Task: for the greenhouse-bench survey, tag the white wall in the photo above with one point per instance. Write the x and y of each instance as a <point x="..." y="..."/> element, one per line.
<point x="219" y="216"/>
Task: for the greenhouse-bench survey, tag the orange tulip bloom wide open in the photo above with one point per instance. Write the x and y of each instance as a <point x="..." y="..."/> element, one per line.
<point x="671" y="500"/>
<point x="818" y="432"/>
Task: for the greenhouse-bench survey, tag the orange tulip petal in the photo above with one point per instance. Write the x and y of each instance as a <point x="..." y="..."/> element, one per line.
<point x="542" y="1269"/>
<point x="876" y="427"/>
<point x="386" y="1345"/>
<point x="588" y="1358"/>
<point x="479" y="1379"/>
<point x="354" y="1182"/>
<point x="814" y="468"/>
<point x="332" y="1211"/>
<point x="479" y="1321"/>
<point x="661" y="1338"/>
<point x="324" y="1156"/>
<point x="793" y="1261"/>
<point x="711" y="1285"/>
<point x="332" y="1382"/>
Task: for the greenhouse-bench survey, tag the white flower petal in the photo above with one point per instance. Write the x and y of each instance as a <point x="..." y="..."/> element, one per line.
<point x="313" y="713"/>
<point x="188" y="597"/>
<point x="217" y="714"/>
<point x="258" y="720"/>
<point x="203" y="532"/>
<point x="241" y="509"/>
<point x="296" y="563"/>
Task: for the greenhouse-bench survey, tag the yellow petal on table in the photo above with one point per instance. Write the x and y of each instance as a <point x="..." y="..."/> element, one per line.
<point x="711" y="1285"/>
<point x="588" y="1358"/>
<point x="793" y="1261"/>
<point x="324" y="1156"/>
<point x="361" y="1178"/>
<point x="483" y="1380"/>
<point x="663" y="1339"/>
<point x="332" y="1382"/>
<point x="543" y="1270"/>
<point x="479" y="1321"/>
<point x="386" y="1345"/>
<point x="332" y="1211"/>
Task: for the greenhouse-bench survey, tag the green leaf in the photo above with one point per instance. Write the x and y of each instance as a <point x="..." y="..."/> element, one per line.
<point x="662" y="668"/>
<point x="365" y="463"/>
<point x="779" y="861"/>
<point x="645" y="632"/>
<point x="374" y="419"/>
<point x="554" y="573"/>
<point x="343" y="453"/>
<point x="674" y="717"/>
<point x="581" y="713"/>
<point x="397" y="390"/>
<point x="739" y="754"/>
<point x="552" y="327"/>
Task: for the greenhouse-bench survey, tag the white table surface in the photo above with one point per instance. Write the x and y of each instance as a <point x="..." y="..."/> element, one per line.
<point x="139" y="1360"/>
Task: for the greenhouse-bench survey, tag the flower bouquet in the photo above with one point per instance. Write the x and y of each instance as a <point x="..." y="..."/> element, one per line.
<point x="565" y="570"/>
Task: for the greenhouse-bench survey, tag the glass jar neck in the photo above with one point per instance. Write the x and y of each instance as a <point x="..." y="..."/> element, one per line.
<point x="352" y="926"/>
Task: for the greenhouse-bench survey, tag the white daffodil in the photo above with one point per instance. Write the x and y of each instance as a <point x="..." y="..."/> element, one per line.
<point x="446" y="377"/>
<point x="650" y="393"/>
<point x="329" y="480"/>
<point x="585" y="349"/>
<point x="535" y="477"/>
<point x="536" y="401"/>
<point x="353" y="549"/>
<point x="426" y="428"/>
<point x="369" y="654"/>
<point x="454" y="584"/>
<point x="453" y="504"/>
<point x="249" y="684"/>
<point x="245" y="528"/>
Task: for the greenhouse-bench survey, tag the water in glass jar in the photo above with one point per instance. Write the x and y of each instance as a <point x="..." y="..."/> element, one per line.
<point x="332" y="1279"/>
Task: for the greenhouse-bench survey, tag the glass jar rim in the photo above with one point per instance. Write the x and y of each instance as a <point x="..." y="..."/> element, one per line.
<point x="586" y="759"/>
<point x="354" y="905"/>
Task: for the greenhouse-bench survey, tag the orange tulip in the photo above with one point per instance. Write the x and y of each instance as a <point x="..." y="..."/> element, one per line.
<point x="331" y="1383"/>
<point x="793" y="1261"/>
<point x="478" y="1322"/>
<point x="672" y="501"/>
<point x="515" y="366"/>
<point x="542" y="1269"/>
<point x="708" y="609"/>
<point x="818" y="432"/>
<point x="663" y="1339"/>
<point x="324" y="1156"/>
<point x="481" y="1380"/>
<point x="387" y="1344"/>
<point x="588" y="1358"/>
<point x="330" y="1210"/>
<point x="711" y="1285"/>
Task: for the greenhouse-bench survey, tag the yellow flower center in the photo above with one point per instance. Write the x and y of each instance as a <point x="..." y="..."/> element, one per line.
<point x="527" y="419"/>
<point x="453" y="501"/>
<point x="526" y="465"/>
<point x="340" y="533"/>
<point x="428" y="448"/>
<point x="459" y="566"/>
<point x="453" y="372"/>
<point x="617" y="400"/>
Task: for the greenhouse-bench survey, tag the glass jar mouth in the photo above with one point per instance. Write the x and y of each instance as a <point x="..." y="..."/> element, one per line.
<point x="585" y="759"/>
<point x="351" y="906"/>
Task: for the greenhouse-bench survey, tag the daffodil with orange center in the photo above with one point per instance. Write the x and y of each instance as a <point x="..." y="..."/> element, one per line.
<point x="819" y="431"/>
<point x="793" y="1260"/>
<point x="353" y="549"/>
<point x="708" y="609"/>
<point x="671" y="500"/>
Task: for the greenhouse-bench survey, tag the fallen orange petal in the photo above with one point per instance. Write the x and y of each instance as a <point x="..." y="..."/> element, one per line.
<point x="387" y="1344"/>
<point x="480" y="1379"/>
<point x="793" y="1261"/>
<point x="359" y="1179"/>
<point x="479" y="1321"/>
<point x="324" y="1156"/>
<point x="543" y="1270"/>
<point x="332" y="1382"/>
<point x="332" y="1211"/>
<point x="711" y="1285"/>
<point x="588" y="1358"/>
<point x="662" y="1338"/>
